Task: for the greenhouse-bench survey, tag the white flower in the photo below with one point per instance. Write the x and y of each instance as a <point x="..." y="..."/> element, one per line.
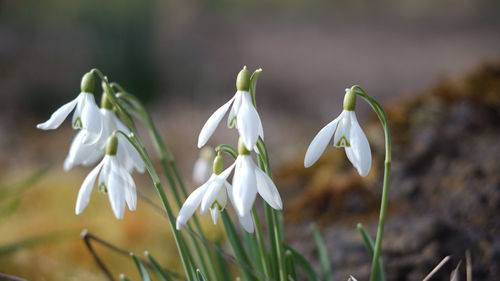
<point x="114" y="179"/>
<point x="86" y="154"/>
<point x="248" y="180"/>
<point x="86" y="115"/>
<point x="212" y="195"/>
<point x="242" y="115"/>
<point x="351" y="278"/>
<point x="348" y="134"/>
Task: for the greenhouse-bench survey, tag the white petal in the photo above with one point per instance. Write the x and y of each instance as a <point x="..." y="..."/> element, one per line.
<point x="248" y="122"/>
<point x="320" y="142"/>
<point x="106" y="170"/>
<point x="86" y="189"/>
<point x="130" y="191"/>
<point x="91" y="119"/>
<point x="214" y="212"/>
<point x="58" y="116"/>
<point x="116" y="190"/>
<point x="190" y="205"/>
<point x="214" y="189"/>
<point x="212" y="122"/>
<point x="210" y="195"/>
<point x="83" y="154"/>
<point x="341" y="137"/>
<point x="244" y="185"/>
<point x="133" y="155"/>
<point x="360" y="148"/>
<point x="247" y="222"/>
<point x="76" y="122"/>
<point x="231" y="120"/>
<point x="267" y="189"/>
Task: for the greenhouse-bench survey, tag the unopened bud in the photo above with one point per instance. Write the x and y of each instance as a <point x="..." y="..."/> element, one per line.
<point x="243" y="80"/>
<point x="242" y="150"/>
<point x="112" y="145"/>
<point x="218" y="166"/>
<point x="350" y="100"/>
<point x="87" y="84"/>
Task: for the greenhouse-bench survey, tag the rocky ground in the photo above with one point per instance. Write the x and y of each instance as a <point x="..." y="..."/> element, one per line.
<point x="445" y="187"/>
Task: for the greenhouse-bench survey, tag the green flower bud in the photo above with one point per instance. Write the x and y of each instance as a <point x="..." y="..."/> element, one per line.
<point x="242" y="150"/>
<point x="218" y="166"/>
<point x="105" y="102"/>
<point x="243" y="80"/>
<point x="87" y="84"/>
<point x="350" y="100"/>
<point x="112" y="145"/>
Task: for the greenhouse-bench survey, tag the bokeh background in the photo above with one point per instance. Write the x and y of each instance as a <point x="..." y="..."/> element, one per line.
<point x="181" y="58"/>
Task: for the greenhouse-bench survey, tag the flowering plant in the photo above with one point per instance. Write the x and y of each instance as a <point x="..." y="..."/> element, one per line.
<point x="109" y="135"/>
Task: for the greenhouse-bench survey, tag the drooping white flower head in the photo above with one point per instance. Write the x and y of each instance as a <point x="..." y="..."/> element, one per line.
<point x="86" y="115"/>
<point x="212" y="196"/>
<point x="86" y="154"/>
<point x="248" y="180"/>
<point x="346" y="133"/>
<point x="202" y="168"/>
<point x="243" y="115"/>
<point x="114" y="179"/>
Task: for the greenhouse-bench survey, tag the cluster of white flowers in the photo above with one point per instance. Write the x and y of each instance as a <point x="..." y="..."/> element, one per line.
<point x="248" y="179"/>
<point x="96" y="138"/>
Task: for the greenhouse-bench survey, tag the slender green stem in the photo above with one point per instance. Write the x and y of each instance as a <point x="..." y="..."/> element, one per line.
<point x="168" y="165"/>
<point x="260" y="241"/>
<point x="385" y="186"/>
<point x="276" y="222"/>
<point x="137" y="143"/>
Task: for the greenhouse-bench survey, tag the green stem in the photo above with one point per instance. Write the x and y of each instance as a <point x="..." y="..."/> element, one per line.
<point x="276" y="222"/>
<point x="168" y="165"/>
<point x="137" y="143"/>
<point x="260" y="241"/>
<point x="385" y="186"/>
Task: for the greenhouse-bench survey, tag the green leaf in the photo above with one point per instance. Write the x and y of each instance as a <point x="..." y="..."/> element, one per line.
<point x="290" y="265"/>
<point x="157" y="268"/>
<point x="142" y="270"/>
<point x="322" y="253"/>
<point x="200" y="276"/>
<point x="222" y="264"/>
<point x="369" y="244"/>
<point x="253" y="84"/>
<point x="304" y="264"/>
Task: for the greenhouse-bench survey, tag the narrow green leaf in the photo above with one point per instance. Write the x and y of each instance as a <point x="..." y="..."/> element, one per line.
<point x="290" y="266"/>
<point x="369" y="244"/>
<point x="304" y="264"/>
<point x="322" y="253"/>
<point x="142" y="270"/>
<point x="222" y="265"/>
<point x="253" y="84"/>
<point x="200" y="276"/>
<point x="157" y="268"/>
<point x="253" y="249"/>
<point x="235" y="241"/>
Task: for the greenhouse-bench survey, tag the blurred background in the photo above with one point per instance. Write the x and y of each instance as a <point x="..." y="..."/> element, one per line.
<point x="429" y="62"/>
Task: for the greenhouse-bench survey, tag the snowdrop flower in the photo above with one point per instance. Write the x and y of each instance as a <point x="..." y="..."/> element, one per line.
<point x="114" y="179"/>
<point x="212" y="195"/>
<point x="86" y="154"/>
<point x="242" y="115"/>
<point x="202" y="167"/>
<point x="346" y="133"/>
<point x="248" y="180"/>
<point x="86" y="115"/>
<point x="351" y="278"/>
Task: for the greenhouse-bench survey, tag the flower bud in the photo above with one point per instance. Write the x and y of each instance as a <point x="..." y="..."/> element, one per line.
<point x="112" y="145"/>
<point x="87" y="84"/>
<point x="105" y="102"/>
<point x="218" y="166"/>
<point x="243" y="80"/>
<point x="350" y="100"/>
<point x="242" y="150"/>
